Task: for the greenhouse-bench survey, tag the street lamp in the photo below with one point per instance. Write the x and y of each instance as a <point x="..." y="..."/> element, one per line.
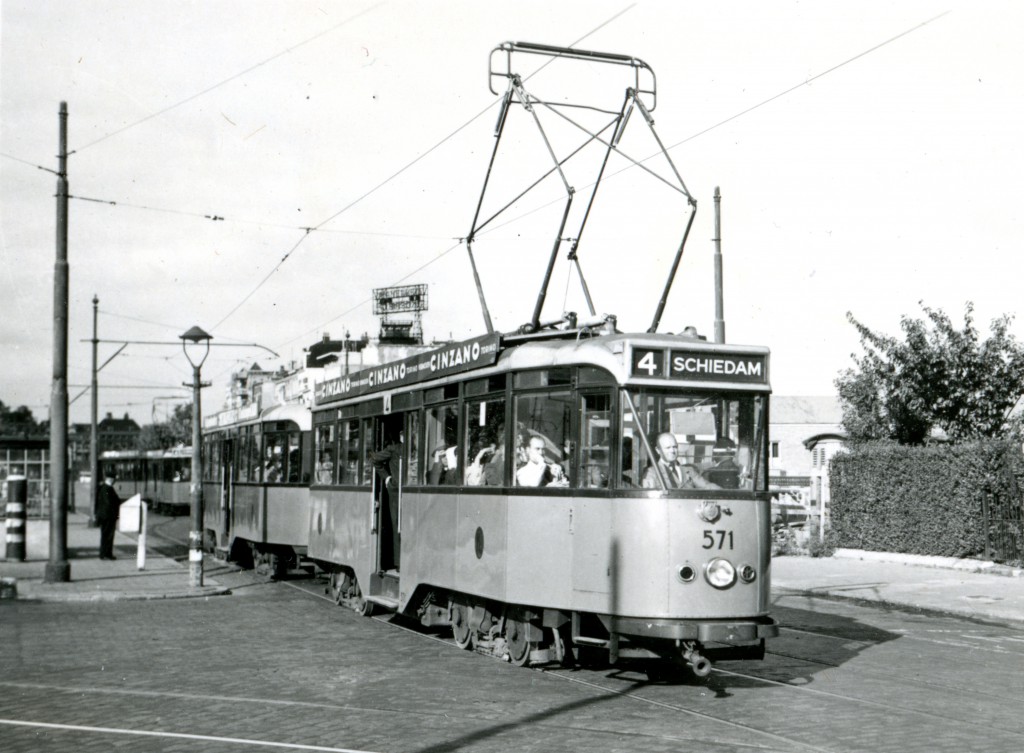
<point x="195" y="336"/>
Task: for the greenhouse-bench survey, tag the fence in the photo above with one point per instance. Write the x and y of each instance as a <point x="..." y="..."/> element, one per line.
<point x="1004" y="524"/>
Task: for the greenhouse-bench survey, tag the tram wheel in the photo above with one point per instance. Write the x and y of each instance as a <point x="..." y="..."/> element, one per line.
<point x="516" y="633"/>
<point x="364" y="607"/>
<point x="267" y="565"/>
<point x="462" y="631"/>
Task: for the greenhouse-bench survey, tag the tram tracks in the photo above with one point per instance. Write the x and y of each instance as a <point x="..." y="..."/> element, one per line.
<point x="640" y="692"/>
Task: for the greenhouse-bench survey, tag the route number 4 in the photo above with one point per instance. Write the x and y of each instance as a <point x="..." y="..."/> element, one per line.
<point x="648" y="363"/>
<point x="723" y="539"/>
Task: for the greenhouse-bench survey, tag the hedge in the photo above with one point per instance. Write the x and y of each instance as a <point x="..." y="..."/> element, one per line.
<point x="921" y="500"/>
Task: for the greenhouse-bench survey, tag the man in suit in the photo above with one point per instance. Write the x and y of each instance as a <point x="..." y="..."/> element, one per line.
<point x="108" y="506"/>
<point x="676" y="474"/>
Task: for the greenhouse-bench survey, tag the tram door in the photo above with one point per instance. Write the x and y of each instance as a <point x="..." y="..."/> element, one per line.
<point x="389" y="462"/>
<point x="227" y="488"/>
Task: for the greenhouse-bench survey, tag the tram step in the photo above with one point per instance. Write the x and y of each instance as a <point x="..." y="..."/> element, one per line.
<point x="384" y="601"/>
<point x="389" y="585"/>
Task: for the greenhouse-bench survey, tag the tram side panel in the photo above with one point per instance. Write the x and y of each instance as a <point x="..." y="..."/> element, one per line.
<point x="247" y="514"/>
<point x="540" y="552"/>
<point x="481" y="546"/>
<point x="286" y="516"/>
<point x="429" y="526"/>
<point x="340" y="530"/>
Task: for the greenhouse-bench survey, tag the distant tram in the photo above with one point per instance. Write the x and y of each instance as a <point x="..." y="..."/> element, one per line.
<point x="160" y="476"/>
<point x="257" y="471"/>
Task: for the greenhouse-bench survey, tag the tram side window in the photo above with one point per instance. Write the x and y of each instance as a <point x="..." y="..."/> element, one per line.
<point x="542" y="435"/>
<point x="441" y="425"/>
<point x="367" y="431"/>
<point x="412" y="444"/>
<point x="255" y="466"/>
<point x="348" y="451"/>
<point x="274" y="450"/>
<point x="212" y="467"/>
<point x="485" y="441"/>
<point x="324" y="452"/>
<point x="242" y="466"/>
<point x="595" y="440"/>
<point x="293" y="467"/>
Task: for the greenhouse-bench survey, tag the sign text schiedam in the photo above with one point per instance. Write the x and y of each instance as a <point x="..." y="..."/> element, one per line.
<point x="700" y="365"/>
<point x="451" y="359"/>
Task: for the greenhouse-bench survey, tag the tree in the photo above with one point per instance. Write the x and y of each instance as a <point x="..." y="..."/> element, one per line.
<point x="177" y="430"/>
<point x="19" y="422"/>
<point x="937" y="376"/>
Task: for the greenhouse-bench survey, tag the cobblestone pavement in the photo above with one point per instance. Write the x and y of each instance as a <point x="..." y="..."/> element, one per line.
<point x="273" y="667"/>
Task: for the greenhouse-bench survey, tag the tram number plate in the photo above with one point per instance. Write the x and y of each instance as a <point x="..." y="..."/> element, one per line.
<point x="717" y="539"/>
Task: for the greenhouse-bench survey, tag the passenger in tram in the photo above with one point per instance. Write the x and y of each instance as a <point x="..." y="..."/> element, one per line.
<point x="272" y="473"/>
<point x="494" y="470"/>
<point x="325" y="469"/>
<point x="475" y="471"/>
<point x="444" y="470"/>
<point x="387" y="463"/>
<point x="537" y="471"/>
<point x="678" y="475"/>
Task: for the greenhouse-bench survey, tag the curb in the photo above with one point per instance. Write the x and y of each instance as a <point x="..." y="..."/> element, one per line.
<point x="983" y="567"/>
<point x="109" y="596"/>
<point x="964" y="614"/>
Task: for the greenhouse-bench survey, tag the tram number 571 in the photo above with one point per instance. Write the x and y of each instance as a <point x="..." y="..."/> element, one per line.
<point x="717" y="539"/>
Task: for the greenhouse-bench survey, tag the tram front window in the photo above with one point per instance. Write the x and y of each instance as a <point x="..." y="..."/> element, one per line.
<point x="720" y="438"/>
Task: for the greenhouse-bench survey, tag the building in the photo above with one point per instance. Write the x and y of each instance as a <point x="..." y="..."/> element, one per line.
<point x="805" y="433"/>
<point x="28" y="457"/>
<point x="117" y="433"/>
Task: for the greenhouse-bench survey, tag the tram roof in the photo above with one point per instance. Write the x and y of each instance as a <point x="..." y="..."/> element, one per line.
<point x="296" y="412"/>
<point x="641" y="359"/>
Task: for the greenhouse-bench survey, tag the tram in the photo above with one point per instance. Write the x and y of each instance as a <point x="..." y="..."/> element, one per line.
<point x="257" y="471"/>
<point x="159" y="476"/>
<point x="599" y="552"/>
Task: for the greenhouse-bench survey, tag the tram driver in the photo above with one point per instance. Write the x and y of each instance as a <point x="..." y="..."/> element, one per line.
<point x="678" y="475"/>
<point x="537" y="471"/>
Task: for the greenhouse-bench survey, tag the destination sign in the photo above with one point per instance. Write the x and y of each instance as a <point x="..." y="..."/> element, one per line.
<point x="700" y="365"/>
<point x="451" y="359"/>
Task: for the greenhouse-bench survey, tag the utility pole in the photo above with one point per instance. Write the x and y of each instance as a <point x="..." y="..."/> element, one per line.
<point x="94" y="452"/>
<point x="58" y="569"/>
<point x="719" y="293"/>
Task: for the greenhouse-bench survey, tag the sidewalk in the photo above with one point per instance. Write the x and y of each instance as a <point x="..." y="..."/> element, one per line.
<point x="93" y="579"/>
<point x="965" y="588"/>
<point x="942" y="585"/>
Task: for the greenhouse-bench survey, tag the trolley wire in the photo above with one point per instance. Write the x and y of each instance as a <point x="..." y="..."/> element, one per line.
<point x="213" y="216"/>
<point x="387" y="180"/>
<point x="229" y="79"/>
<point x="638" y="163"/>
<point x="746" y="111"/>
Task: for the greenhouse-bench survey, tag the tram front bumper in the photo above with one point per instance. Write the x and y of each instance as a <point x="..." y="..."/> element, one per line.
<point x="716" y="631"/>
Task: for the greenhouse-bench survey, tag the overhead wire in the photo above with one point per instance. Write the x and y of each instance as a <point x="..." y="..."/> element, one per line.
<point x="229" y="79"/>
<point x="260" y="223"/>
<point x="387" y="180"/>
<point x="748" y="110"/>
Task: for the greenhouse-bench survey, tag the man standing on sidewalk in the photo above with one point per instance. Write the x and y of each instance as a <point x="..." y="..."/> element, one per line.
<point x="107" y="508"/>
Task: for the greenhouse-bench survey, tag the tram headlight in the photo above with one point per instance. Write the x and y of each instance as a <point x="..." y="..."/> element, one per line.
<point x="720" y="573"/>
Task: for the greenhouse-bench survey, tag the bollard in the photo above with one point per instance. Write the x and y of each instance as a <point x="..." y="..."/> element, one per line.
<point x="17" y="502"/>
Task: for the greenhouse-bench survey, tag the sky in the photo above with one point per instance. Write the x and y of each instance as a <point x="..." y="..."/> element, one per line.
<point x="868" y="155"/>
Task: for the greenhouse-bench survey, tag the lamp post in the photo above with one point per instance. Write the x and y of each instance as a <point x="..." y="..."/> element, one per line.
<point x="195" y="336"/>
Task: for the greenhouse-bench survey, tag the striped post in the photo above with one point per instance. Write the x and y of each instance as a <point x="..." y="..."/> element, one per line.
<point x="17" y="502"/>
